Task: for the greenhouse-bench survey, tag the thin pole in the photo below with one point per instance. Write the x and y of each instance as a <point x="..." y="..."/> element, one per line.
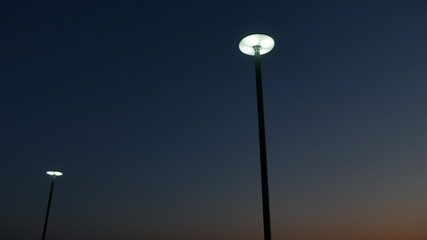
<point x="48" y="207"/>
<point x="262" y="147"/>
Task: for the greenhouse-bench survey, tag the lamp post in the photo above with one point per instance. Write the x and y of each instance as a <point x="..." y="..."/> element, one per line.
<point x="54" y="174"/>
<point x="257" y="45"/>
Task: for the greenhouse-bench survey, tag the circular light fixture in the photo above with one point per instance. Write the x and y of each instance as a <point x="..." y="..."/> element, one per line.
<point x="54" y="173"/>
<point x="264" y="42"/>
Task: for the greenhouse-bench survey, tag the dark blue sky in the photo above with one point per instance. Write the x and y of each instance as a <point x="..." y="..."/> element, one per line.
<point x="149" y="108"/>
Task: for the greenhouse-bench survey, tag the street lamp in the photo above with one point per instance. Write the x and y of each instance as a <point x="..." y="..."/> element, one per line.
<point x="257" y="45"/>
<point x="54" y="174"/>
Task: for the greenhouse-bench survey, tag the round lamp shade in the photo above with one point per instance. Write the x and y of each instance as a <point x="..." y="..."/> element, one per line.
<point x="247" y="44"/>
<point x="54" y="173"/>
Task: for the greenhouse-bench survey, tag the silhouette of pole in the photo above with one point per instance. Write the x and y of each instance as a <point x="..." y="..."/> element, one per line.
<point x="256" y="45"/>
<point x="52" y="185"/>
<point x="262" y="147"/>
<point x="48" y="207"/>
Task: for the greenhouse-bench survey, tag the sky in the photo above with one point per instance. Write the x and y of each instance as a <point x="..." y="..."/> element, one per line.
<point x="149" y="109"/>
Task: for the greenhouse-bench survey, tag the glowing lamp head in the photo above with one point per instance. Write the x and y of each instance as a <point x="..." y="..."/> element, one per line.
<point x="248" y="44"/>
<point x="54" y="173"/>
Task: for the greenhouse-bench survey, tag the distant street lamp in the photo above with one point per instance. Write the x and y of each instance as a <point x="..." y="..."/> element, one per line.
<point x="256" y="45"/>
<point x="54" y="174"/>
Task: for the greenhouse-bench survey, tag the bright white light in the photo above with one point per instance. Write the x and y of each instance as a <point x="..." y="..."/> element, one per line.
<point x="246" y="49"/>
<point x="54" y="173"/>
<point x="247" y="44"/>
<point x="252" y="40"/>
<point x="267" y="42"/>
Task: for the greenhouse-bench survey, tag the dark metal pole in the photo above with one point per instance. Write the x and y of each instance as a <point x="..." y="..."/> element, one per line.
<point x="262" y="147"/>
<point x="48" y="207"/>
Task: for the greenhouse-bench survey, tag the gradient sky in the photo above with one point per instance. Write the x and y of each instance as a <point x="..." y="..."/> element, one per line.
<point x="149" y="108"/>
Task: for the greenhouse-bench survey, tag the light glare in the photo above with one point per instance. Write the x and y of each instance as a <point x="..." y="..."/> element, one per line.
<point x="54" y="173"/>
<point x="266" y="43"/>
<point x="252" y="41"/>
<point x="247" y="44"/>
<point x="247" y="50"/>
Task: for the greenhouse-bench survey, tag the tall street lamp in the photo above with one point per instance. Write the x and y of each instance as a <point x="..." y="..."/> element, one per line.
<point x="257" y="45"/>
<point x="54" y="174"/>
